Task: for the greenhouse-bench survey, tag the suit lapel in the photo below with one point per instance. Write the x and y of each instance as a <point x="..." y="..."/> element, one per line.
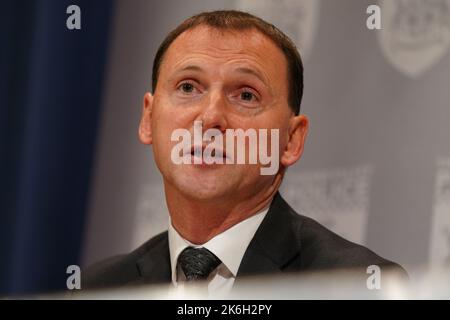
<point x="154" y="265"/>
<point x="275" y="243"/>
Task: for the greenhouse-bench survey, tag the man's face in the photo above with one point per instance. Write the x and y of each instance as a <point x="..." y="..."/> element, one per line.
<point x="227" y="80"/>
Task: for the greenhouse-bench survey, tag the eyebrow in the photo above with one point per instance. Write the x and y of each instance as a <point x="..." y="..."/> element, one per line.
<point x="239" y="69"/>
<point x="191" y="68"/>
<point x="251" y="72"/>
<point x="186" y="68"/>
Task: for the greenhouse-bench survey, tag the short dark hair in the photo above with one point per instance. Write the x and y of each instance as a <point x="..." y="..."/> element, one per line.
<point x="237" y="20"/>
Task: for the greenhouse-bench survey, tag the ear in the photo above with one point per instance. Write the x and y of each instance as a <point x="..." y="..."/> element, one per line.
<point x="145" y="126"/>
<point x="298" y="130"/>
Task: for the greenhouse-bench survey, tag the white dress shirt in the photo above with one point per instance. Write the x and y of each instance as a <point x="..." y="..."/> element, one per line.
<point x="229" y="246"/>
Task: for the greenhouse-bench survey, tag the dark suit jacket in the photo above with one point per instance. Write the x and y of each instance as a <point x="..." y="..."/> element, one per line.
<point x="284" y="242"/>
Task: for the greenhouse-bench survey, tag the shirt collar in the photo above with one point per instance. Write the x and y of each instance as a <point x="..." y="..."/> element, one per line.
<point x="229" y="246"/>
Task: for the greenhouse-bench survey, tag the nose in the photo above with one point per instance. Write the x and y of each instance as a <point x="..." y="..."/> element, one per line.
<point x="214" y="115"/>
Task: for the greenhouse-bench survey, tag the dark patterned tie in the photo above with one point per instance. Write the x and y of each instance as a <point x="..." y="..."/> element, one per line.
<point x="197" y="263"/>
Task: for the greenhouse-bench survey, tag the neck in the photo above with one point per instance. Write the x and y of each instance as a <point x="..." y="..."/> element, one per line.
<point x="199" y="221"/>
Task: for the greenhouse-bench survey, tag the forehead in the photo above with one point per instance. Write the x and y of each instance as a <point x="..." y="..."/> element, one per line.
<point x="226" y="47"/>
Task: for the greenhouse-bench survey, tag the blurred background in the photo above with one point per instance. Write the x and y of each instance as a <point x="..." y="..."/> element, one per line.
<point x="77" y="186"/>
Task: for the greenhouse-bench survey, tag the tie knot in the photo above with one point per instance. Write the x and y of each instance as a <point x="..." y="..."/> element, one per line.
<point x="197" y="263"/>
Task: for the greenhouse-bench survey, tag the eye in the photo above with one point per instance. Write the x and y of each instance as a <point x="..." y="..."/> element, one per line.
<point x="187" y="87"/>
<point x="247" y="96"/>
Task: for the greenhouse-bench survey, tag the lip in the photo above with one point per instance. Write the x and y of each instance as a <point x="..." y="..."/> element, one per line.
<point x="203" y="147"/>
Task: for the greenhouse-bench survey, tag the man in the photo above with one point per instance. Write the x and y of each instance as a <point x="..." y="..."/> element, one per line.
<point x="225" y="71"/>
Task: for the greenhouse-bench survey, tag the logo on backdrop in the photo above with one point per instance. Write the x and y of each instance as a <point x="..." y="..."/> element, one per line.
<point x="297" y="18"/>
<point x="337" y="198"/>
<point x="415" y="34"/>
<point x="440" y="232"/>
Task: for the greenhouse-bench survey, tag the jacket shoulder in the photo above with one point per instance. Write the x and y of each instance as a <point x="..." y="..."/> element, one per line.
<point x="121" y="269"/>
<point x="321" y="248"/>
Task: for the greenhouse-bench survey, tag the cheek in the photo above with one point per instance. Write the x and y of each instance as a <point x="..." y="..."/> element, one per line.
<point x="170" y="116"/>
<point x="284" y="139"/>
<point x="165" y="121"/>
<point x="279" y="124"/>
<point x="161" y="131"/>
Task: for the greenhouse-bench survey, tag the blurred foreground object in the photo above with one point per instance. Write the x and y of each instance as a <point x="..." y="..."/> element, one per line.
<point x="432" y="283"/>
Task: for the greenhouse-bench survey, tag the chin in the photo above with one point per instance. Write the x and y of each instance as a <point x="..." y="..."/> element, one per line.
<point x="204" y="186"/>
